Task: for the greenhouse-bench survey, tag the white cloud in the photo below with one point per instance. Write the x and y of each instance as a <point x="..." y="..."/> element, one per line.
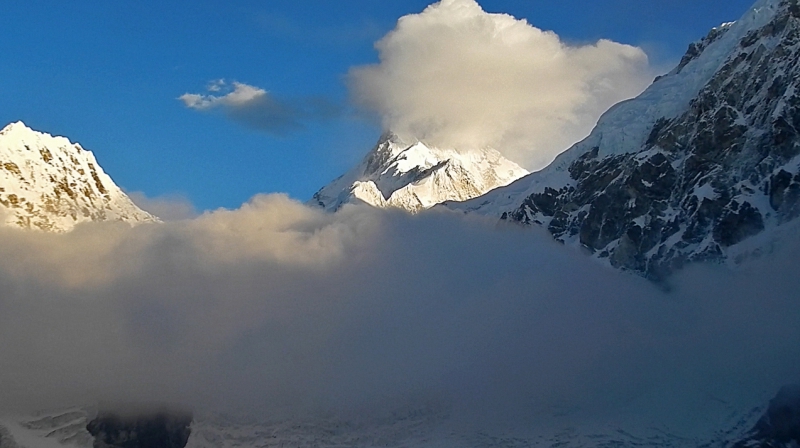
<point x="242" y="95"/>
<point x="277" y="304"/>
<point x="256" y="108"/>
<point x="455" y="75"/>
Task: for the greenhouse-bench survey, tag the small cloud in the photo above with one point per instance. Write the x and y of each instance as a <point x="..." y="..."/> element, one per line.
<point x="171" y="207"/>
<point x="240" y="95"/>
<point x="216" y="86"/>
<point x="258" y="109"/>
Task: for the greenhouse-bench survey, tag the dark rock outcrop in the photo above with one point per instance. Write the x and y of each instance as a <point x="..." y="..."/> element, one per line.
<point x="696" y="48"/>
<point x="155" y="428"/>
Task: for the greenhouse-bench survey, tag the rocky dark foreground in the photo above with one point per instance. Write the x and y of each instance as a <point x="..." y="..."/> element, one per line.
<point x="142" y="428"/>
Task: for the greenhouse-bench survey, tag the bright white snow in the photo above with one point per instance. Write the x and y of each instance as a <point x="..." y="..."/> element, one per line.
<point x="49" y="183"/>
<point x="415" y="176"/>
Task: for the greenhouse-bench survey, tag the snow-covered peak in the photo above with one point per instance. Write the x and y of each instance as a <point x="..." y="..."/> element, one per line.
<point x="16" y="126"/>
<point x="626" y="126"/>
<point x="703" y="166"/>
<point x="415" y="176"/>
<point x="49" y="183"/>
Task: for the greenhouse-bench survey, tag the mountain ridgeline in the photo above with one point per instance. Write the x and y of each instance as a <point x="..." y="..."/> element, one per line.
<point x="702" y="162"/>
<point x="703" y="166"/>
<point x="415" y="176"/>
<point x="49" y="183"/>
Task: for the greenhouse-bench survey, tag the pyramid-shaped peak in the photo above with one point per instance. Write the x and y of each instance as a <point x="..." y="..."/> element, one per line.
<point x="410" y="174"/>
<point x="15" y="127"/>
<point x="50" y="183"/>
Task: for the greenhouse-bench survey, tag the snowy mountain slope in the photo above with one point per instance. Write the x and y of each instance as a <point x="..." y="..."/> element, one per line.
<point x="703" y="160"/>
<point x="774" y="423"/>
<point x="769" y="422"/>
<point x="415" y="176"/>
<point x="49" y="183"/>
<point x="57" y="429"/>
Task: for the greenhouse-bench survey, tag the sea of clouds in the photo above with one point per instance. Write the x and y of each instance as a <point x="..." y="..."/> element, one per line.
<point x="277" y="307"/>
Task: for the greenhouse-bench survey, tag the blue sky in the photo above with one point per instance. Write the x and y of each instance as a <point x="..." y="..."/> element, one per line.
<point x="109" y="74"/>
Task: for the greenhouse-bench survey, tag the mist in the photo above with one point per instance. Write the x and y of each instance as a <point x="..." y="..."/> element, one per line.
<point x="276" y="307"/>
<point x="456" y="76"/>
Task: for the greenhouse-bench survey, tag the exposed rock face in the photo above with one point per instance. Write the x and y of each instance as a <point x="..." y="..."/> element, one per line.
<point x="415" y="176"/>
<point x="697" y="48"/>
<point x="48" y="183"/>
<point x="154" y="429"/>
<point x="706" y="158"/>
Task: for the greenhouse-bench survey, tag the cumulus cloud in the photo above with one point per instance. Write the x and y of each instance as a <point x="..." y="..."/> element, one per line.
<point x="277" y="307"/>
<point x="455" y="75"/>
<point x="256" y="108"/>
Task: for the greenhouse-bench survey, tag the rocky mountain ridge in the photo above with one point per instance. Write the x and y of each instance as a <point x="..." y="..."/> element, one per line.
<point x="49" y="183"/>
<point x="705" y="159"/>
<point x="415" y="176"/>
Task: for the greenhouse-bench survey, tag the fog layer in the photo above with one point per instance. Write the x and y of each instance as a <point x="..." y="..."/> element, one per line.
<point x="277" y="307"/>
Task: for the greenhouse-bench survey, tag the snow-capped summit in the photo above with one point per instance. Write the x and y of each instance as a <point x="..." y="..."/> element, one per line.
<point x="701" y="166"/>
<point x="414" y="176"/>
<point x="49" y="183"/>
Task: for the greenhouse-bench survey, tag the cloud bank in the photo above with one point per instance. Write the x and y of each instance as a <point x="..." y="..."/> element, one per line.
<point x="258" y="109"/>
<point x="277" y="307"/>
<point x="457" y="76"/>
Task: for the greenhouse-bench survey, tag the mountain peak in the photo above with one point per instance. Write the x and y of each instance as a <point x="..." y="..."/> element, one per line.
<point x="49" y="183"/>
<point x="17" y="126"/>
<point x="415" y="176"/>
<point x="702" y="166"/>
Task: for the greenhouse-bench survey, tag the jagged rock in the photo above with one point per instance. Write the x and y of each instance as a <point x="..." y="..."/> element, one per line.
<point x="696" y="48"/>
<point x="705" y="159"/>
